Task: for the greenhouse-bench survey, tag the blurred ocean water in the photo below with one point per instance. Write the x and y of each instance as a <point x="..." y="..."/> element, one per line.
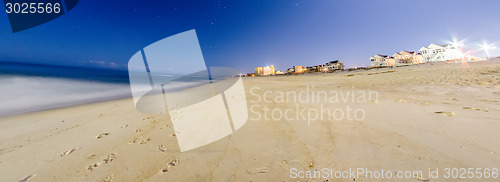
<point x="26" y="88"/>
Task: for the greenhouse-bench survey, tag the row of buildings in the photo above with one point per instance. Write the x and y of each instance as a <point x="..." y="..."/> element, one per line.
<point x="330" y="66"/>
<point x="431" y="53"/>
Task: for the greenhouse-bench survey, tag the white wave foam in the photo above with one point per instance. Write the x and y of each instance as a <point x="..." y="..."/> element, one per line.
<point x="20" y="94"/>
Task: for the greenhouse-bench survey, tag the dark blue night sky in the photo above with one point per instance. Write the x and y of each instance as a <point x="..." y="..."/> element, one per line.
<point x="244" y="34"/>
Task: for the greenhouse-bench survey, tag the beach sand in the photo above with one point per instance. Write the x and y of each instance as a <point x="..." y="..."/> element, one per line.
<point x="426" y="116"/>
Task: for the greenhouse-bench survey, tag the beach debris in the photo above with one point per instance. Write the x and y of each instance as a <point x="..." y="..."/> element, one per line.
<point x="106" y="160"/>
<point x="373" y="102"/>
<point x="27" y="178"/>
<point x="102" y="135"/>
<point x="138" y="130"/>
<point x="446" y="113"/>
<point x="173" y="162"/>
<point x="69" y="151"/>
<point x="162" y="148"/>
<point x="145" y="141"/>
<point x="91" y="156"/>
<point x="311" y="164"/>
<point x="173" y="134"/>
<point x="350" y="75"/>
<point x="124" y="126"/>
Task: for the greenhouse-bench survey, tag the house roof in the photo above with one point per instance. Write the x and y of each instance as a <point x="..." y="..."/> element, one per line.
<point x="436" y="45"/>
<point x="411" y="52"/>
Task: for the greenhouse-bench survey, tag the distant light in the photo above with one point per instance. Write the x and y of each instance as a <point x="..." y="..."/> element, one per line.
<point x="487" y="47"/>
<point x="457" y="44"/>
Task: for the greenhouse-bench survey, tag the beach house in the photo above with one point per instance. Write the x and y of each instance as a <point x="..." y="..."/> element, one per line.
<point x="407" y="57"/>
<point x="299" y="69"/>
<point x="335" y="65"/>
<point x="382" y="60"/>
<point x="296" y="70"/>
<point x="264" y="71"/>
<point x="438" y="52"/>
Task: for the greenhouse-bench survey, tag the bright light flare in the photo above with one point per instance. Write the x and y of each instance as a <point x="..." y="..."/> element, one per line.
<point x="487" y="47"/>
<point x="457" y="44"/>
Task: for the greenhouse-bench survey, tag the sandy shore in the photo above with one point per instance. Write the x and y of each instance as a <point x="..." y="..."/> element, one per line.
<point x="399" y="130"/>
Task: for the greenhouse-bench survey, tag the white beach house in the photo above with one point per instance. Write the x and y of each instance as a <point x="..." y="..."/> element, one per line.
<point x="437" y="52"/>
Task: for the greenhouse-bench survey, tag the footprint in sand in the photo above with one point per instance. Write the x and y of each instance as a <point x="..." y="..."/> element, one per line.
<point x="170" y="165"/>
<point x="107" y="160"/>
<point x="166" y="126"/>
<point x="102" y="135"/>
<point x="27" y="178"/>
<point x="108" y="179"/>
<point x="133" y="141"/>
<point x="148" y="117"/>
<point x="146" y="141"/>
<point x="69" y="151"/>
<point x="138" y="130"/>
<point x="124" y="126"/>
<point x="162" y="148"/>
<point x="154" y="121"/>
<point x="284" y="163"/>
